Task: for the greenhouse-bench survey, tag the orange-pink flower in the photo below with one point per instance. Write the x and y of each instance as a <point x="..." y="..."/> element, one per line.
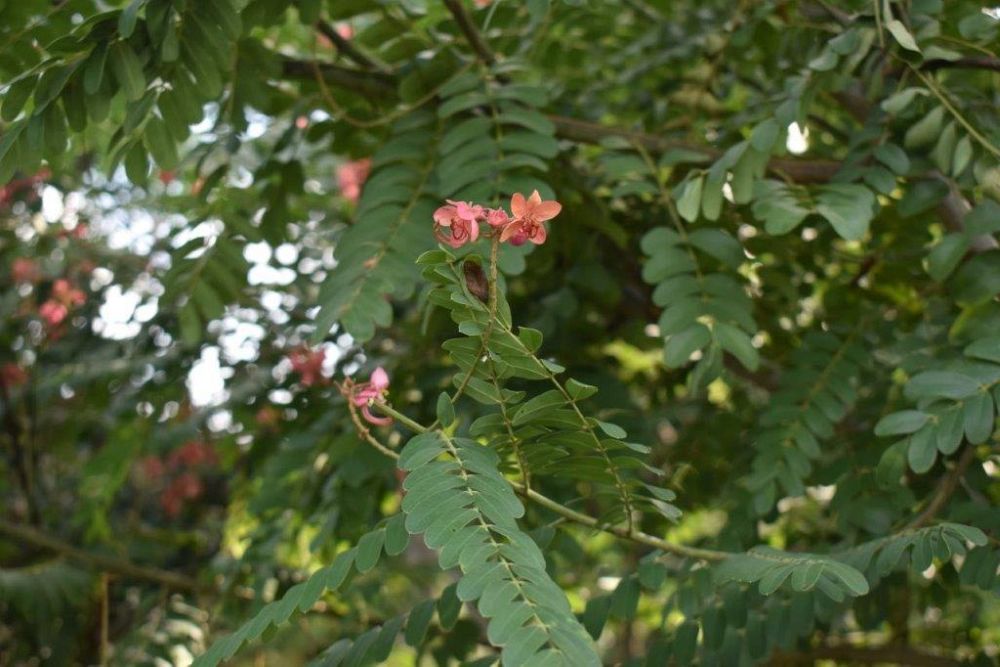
<point x="351" y="176"/>
<point x="64" y="292"/>
<point x="461" y="219"/>
<point x="529" y="214"/>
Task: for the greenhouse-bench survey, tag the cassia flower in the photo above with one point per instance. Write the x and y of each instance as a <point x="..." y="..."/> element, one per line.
<point x="529" y="214"/>
<point x="497" y="217"/>
<point x="461" y="219"/>
<point x="373" y="391"/>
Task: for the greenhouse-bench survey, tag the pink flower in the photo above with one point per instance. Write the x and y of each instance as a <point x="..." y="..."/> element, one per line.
<point x="481" y="4"/>
<point x="53" y="312"/>
<point x="497" y="217"/>
<point x="529" y="214"/>
<point x="461" y="219"/>
<point x="344" y="30"/>
<point x="373" y="391"/>
<point x="351" y="176"/>
<point x="308" y="363"/>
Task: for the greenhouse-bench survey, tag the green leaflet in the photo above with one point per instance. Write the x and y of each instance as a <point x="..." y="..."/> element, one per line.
<point x="689" y="295"/>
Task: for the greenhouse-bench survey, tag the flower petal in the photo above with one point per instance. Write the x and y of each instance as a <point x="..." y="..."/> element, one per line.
<point x="380" y="379"/>
<point x="372" y="419"/>
<point x="511" y="230"/>
<point x="444" y="215"/>
<point x="547" y="210"/>
<point x="518" y="206"/>
<point x="538" y="238"/>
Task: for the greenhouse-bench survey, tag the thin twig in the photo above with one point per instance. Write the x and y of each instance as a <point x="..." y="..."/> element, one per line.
<point x="946" y="487"/>
<point x="578" y="517"/>
<point x="348" y="48"/>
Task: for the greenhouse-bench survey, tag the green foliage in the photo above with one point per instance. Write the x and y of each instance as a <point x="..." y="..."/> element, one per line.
<point x="466" y="511"/>
<point x="769" y="299"/>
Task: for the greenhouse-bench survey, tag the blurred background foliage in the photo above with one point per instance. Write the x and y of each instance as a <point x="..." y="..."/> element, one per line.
<point x="778" y="230"/>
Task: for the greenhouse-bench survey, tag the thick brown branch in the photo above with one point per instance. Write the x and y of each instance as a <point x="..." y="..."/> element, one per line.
<point x="36" y="538"/>
<point x="468" y="28"/>
<point x="346" y="47"/>
<point x="371" y="84"/>
<point x="984" y="62"/>
<point x="893" y="655"/>
<point x="800" y="171"/>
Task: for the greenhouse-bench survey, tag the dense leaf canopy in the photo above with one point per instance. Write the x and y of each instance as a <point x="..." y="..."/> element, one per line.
<point x="556" y="332"/>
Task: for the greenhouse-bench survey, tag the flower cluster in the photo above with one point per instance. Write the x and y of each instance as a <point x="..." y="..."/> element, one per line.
<point x="308" y="363"/>
<point x="457" y="222"/>
<point x="182" y="473"/>
<point x="365" y="394"/>
<point x="64" y="297"/>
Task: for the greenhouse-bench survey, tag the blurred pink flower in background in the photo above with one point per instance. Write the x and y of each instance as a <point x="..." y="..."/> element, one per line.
<point x="351" y="176"/>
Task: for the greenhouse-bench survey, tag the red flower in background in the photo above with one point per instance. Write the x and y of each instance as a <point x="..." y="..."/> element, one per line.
<point x="65" y="293"/>
<point x="12" y="375"/>
<point x="267" y="417"/>
<point x="64" y="296"/>
<point x="53" y="312"/>
<point x="308" y="363"/>
<point x="186" y="486"/>
<point x="193" y="453"/>
<point x="351" y="176"/>
<point x="152" y="468"/>
<point x="24" y="270"/>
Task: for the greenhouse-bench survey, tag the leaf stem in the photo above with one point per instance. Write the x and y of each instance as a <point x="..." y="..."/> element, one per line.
<point x="572" y="515"/>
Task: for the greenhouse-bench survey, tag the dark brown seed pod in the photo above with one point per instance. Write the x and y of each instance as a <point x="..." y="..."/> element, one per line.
<point x="475" y="280"/>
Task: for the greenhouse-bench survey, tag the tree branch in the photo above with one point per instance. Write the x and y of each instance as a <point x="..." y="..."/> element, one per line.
<point x="472" y="35"/>
<point x="37" y="538"/>
<point x="347" y="47"/>
<point x="560" y="509"/>
<point x="895" y="655"/>
<point x="946" y="487"/>
<point x="984" y="62"/>
<point x="800" y="171"/>
<point x="372" y="84"/>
